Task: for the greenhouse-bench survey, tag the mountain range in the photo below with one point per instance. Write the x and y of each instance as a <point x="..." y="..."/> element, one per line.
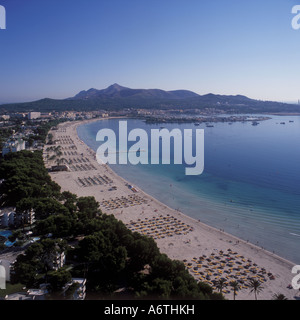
<point x="117" y="91"/>
<point x="117" y="97"/>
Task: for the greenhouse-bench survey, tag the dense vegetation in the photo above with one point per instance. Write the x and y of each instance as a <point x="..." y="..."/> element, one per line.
<point x="97" y="246"/>
<point x="5" y="133"/>
<point x="25" y="177"/>
<point x="39" y="131"/>
<point x="42" y="130"/>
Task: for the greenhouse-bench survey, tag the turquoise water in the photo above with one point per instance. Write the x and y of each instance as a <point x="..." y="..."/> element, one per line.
<point x="6" y="234"/>
<point x="250" y="186"/>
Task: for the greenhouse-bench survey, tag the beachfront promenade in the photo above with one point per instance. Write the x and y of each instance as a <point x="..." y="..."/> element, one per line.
<point x="208" y="253"/>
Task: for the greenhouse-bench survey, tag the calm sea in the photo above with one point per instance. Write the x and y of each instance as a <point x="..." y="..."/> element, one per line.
<point x="250" y="186"/>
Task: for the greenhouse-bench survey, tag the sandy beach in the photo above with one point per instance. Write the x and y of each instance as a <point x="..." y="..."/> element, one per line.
<point x="208" y="253"/>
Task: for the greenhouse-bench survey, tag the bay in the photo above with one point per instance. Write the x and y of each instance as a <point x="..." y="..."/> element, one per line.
<point x="250" y="186"/>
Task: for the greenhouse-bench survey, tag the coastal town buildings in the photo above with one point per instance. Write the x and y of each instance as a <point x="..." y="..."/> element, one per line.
<point x="26" y="217"/>
<point x="34" y="115"/>
<point x="5" y="117"/>
<point x="13" y="145"/>
<point x="58" y="260"/>
<point x="80" y="288"/>
<point x="7" y="217"/>
<point x="31" y="294"/>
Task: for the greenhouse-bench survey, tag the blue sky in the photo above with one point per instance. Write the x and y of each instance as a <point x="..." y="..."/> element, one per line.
<point x="57" y="48"/>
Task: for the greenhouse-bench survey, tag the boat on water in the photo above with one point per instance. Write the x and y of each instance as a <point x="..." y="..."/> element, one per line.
<point x="282" y="122"/>
<point x="197" y="124"/>
<point x="255" y="123"/>
<point x="209" y="126"/>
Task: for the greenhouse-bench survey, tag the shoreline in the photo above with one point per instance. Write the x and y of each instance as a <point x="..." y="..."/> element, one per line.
<point x="203" y="239"/>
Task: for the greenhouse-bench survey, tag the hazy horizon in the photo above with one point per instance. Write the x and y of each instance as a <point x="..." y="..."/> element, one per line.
<point x="13" y="102"/>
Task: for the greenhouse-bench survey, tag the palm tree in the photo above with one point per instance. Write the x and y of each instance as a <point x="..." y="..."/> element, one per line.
<point x="255" y="287"/>
<point x="236" y="287"/>
<point x="279" y="296"/>
<point x="220" y="284"/>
